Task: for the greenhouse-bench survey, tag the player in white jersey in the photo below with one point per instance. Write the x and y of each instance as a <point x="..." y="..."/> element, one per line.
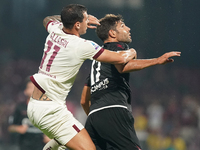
<point x="64" y="53"/>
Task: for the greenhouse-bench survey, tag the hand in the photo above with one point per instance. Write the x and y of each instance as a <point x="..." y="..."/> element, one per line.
<point x="129" y="54"/>
<point x="165" y="58"/>
<point x="92" y="20"/>
<point x="133" y="53"/>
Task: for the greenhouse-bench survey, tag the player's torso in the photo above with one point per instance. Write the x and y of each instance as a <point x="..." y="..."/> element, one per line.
<point x="60" y="59"/>
<point x="108" y="86"/>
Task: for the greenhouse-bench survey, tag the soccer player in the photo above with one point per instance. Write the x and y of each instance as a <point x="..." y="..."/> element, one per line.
<point x="19" y="123"/>
<point x="64" y="53"/>
<point x="106" y="97"/>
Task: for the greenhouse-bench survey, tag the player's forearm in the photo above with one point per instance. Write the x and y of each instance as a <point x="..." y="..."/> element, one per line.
<point x="85" y="99"/>
<point x="85" y="105"/>
<point x="116" y="58"/>
<point x="18" y="128"/>
<point x="138" y="64"/>
<point x="51" y="18"/>
<point x="86" y="108"/>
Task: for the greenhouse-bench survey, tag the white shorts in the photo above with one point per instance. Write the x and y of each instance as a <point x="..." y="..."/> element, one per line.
<point x="54" y="120"/>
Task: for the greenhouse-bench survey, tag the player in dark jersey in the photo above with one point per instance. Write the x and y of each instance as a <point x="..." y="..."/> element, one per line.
<point x="30" y="137"/>
<point x="106" y="97"/>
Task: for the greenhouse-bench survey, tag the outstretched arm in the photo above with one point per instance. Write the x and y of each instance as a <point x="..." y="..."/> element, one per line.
<point x="138" y="64"/>
<point x="85" y="99"/>
<point x="121" y="57"/>
<point x="51" y="18"/>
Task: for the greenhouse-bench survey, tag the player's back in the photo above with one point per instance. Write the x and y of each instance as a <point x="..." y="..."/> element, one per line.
<point x="62" y="58"/>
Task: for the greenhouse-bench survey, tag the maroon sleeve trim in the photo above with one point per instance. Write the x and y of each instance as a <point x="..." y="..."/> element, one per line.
<point x="37" y="85"/>
<point x="48" y="24"/>
<point x="76" y="128"/>
<point x="86" y="84"/>
<point x="98" y="53"/>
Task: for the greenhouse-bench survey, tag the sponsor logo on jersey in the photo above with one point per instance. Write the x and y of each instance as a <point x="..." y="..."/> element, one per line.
<point x="120" y="46"/>
<point x="95" y="45"/>
<point x="100" y="86"/>
<point x="53" y="76"/>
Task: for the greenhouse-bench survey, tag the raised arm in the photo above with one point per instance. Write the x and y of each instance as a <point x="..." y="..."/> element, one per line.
<point x="51" y="18"/>
<point x="138" y="64"/>
<point x="85" y="99"/>
<point x="121" y="57"/>
<point x="93" y="21"/>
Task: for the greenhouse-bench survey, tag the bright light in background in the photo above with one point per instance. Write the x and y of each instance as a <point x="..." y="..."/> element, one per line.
<point x="136" y="4"/>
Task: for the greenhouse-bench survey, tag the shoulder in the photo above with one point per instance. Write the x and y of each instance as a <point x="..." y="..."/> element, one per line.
<point x="52" y="25"/>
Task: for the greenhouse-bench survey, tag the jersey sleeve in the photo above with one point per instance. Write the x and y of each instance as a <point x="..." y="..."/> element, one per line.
<point x="52" y="25"/>
<point x="89" y="50"/>
<point x="87" y="81"/>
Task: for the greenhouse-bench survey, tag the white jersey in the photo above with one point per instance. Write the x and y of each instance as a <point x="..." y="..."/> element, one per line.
<point x="62" y="58"/>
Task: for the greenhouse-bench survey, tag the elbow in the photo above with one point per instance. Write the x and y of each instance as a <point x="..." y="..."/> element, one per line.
<point x="120" y="71"/>
<point x="82" y="102"/>
<point x="46" y="21"/>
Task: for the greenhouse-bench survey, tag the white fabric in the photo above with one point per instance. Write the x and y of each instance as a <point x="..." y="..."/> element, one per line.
<point x="51" y="145"/>
<point x="54" y="120"/>
<point x="62" y="58"/>
<point x="111" y="106"/>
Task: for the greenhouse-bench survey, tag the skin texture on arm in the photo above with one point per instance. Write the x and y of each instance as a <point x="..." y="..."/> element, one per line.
<point x="85" y="99"/>
<point x="121" y="57"/>
<point x="138" y="64"/>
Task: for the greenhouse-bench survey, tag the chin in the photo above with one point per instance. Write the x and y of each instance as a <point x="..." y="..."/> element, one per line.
<point x="128" y="41"/>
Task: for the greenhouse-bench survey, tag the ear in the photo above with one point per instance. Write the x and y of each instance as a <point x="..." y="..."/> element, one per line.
<point x="112" y="33"/>
<point x="77" y="25"/>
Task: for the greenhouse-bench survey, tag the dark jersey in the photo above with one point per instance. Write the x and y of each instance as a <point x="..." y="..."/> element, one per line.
<point x="108" y="86"/>
<point x="33" y="138"/>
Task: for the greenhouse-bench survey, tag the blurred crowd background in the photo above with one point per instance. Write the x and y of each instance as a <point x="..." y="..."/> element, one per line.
<point x="165" y="98"/>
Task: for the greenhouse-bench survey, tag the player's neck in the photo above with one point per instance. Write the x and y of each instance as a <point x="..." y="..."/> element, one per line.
<point x="71" y="31"/>
<point x="109" y="40"/>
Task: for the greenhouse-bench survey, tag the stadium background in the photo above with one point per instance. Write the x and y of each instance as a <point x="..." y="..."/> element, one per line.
<point x="165" y="99"/>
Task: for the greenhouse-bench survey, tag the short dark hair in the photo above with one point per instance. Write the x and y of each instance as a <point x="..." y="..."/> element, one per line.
<point x="107" y="23"/>
<point x="71" y="14"/>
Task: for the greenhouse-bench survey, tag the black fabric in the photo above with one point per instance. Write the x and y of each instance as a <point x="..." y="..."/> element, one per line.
<point x="112" y="129"/>
<point x="33" y="138"/>
<point x="108" y="86"/>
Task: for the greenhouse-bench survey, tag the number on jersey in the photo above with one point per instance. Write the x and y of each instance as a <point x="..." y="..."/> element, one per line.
<point x="50" y="61"/>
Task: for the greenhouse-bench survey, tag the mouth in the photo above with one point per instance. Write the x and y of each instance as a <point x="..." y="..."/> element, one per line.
<point x="129" y="35"/>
